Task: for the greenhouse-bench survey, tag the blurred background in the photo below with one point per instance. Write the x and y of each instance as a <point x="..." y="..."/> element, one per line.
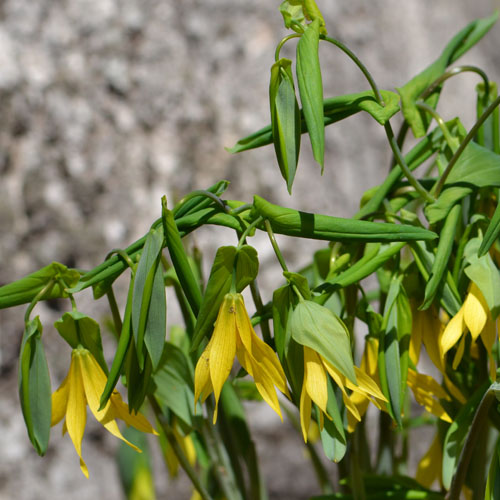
<point x="106" y="105"/>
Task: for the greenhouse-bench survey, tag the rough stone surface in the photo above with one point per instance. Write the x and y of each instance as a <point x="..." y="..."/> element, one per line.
<point x="106" y="105"/>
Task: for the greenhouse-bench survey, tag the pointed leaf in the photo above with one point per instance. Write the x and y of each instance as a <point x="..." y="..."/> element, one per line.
<point x="247" y="266"/>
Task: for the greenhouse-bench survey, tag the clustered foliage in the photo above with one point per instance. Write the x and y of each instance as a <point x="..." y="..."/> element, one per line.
<point x="429" y="241"/>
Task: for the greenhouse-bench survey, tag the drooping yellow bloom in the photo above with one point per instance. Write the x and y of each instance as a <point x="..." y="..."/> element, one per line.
<point x="315" y="389"/>
<point x="475" y="316"/>
<point x="430" y="465"/>
<point x="234" y="336"/>
<point x="84" y="385"/>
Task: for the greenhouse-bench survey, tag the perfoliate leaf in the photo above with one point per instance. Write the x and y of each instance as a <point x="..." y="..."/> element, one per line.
<point x="34" y="386"/>
<point x="247" y="266"/>
<point x="316" y="327"/>
<point x="23" y="291"/>
<point x="78" y="328"/>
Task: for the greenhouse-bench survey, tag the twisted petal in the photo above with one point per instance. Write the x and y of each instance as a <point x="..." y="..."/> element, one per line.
<point x="452" y="333"/>
<point x="60" y="402"/>
<point x="261" y="353"/>
<point x="202" y="382"/>
<point x="76" y="412"/>
<point x="475" y="311"/>
<point x="305" y="412"/>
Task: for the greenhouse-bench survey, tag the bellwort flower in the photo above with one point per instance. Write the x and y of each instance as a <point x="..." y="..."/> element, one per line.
<point x="83" y="386"/>
<point x="234" y="336"/>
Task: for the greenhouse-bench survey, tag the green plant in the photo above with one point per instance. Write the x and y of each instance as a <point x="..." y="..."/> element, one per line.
<point x="431" y="242"/>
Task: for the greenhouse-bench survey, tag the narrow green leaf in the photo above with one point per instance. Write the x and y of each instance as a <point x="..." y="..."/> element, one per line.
<point x="34" y="386"/>
<point x="121" y="349"/>
<point x="143" y="286"/>
<point x="285" y="119"/>
<point x="318" y="328"/>
<point x="311" y="88"/>
<point x="456" y="434"/>
<point x="324" y="227"/>
<point x="283" y="299"/>
<point x="493" y="482"/>
<point x="138" y="378"/>
<point x="443" y="252"/>
<point x="190" y="285"/>
<point x="219" y="283"/>
<point x="333" y="436"/>
<point x="491" y="234"/>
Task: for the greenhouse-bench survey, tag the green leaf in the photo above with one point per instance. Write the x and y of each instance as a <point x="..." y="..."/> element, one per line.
<point x="285" y="119"/>
<point x="300" y="282"/>
<point x="190" y="285"/>
<point x="333" y="436"/>
<point x="219" y="284"/>
<point x="448" y="198"/>
<point x="295" y="12"/>
<point x="78" y="328"/>
<point x="412" y="90"/>
<point x="311" y="88"/>
<point x="174" y="383"/>
<point x="138" y="378"/>
<point x="493" y="482"/>
<point x="318" y="328"/>
<point x="491" y="234"/>
<point x="368" y="264"/>
<point x="34" y="386"/>
<point x="145" y="277"/>
<point x="456" y="434"/>
<point x="283" y="299"/>
<point x="334" y="109"/>
<point x="477" y="167"/>
<point x="485" y="274"/>
<point x="23" y="291"/>
<point x="443" y="252"/>
<point x="393" y="347"/>
<point x="324" y="227"/>
<point x="247" y="266"/>
<point x="121" y="350"/>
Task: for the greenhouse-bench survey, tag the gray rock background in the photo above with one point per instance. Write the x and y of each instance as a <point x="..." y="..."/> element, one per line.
<point x="106" y="105"/>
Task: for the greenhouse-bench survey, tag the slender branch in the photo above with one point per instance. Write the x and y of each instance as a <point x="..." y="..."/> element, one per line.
<point x="200" y="192"/>
<point x="359" y="64"/>
<point x="46" y="289"/>
<point x="280" y="45"/>
<point x="404" y="167"/>
<point x="442" y="125"/>
<point x="472" y="133"/>
<point x="275" y="246"/>
<point x="115" y="313"/>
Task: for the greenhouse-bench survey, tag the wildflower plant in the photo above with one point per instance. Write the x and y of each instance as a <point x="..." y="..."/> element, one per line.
<point x="421" y="347"/>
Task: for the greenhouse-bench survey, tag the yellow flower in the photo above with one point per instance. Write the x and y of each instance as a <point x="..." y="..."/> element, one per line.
<point x="315" y="388"/>
<point x="187" y="446"/>
<point x="84" y="385"/>
<point x="429" y="467"/>
<point x="475" y="316"/>
<point x="234" y="336"/>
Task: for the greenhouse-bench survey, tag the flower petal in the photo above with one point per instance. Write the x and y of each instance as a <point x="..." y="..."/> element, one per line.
<point x="475" y="311"/>
<point x="202" y="382"/>
<point x="76" y="412"/>
<point x="452" y="333"/>
<point x="305" y="412"/>
<point x="315" y="378"/>
<point x="429" y="467"/>
<point x="223" y="348"/>
<point x="60" y="401"/>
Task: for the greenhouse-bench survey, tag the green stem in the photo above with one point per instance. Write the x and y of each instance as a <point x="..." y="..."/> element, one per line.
<point x="472" y="133"/>
<point x="359" y="64"/>
<point x="169" y="433"/>
<point x="124" y="255"/>
<point x="38" y="297"/>
<point x="257" y="299"/>
<point x="200" y="192"/>
<point x="275" y="246"/>
<point x="442" y="125"/>
<point x="280" y="45"/>
<point x="115" y="312"/>
<point x="241" y="208"/>
<point x="455" y="71"/>
<point x="399" y="141"/>
<point x="479" y="423"/>
<point x="248" y="229"/>
<point x="404" y="167"/>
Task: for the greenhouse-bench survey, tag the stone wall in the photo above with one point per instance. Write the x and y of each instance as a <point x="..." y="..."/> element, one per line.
<point x="106" y="105"/>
